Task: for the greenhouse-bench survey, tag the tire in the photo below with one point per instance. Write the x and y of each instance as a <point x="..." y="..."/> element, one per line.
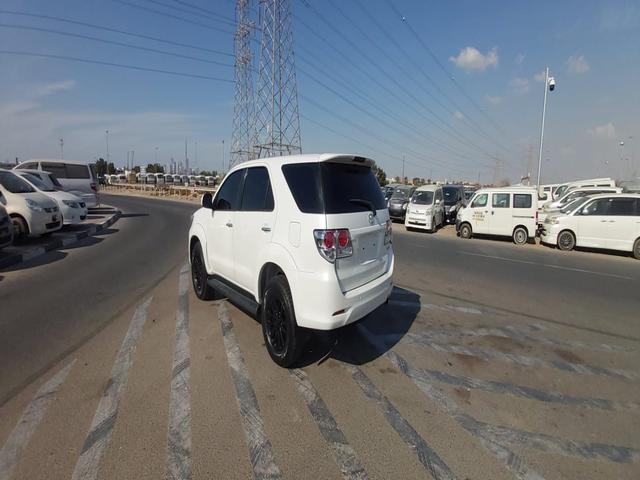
<point x="20" y="229"/>
<point x="465" y="231"/>
<point x="520" y="236"/>
<point x="566" y="241"/>
<point x="199" y="274"/>
<point x="282" y="336"/>
<point x="636" y="249"/>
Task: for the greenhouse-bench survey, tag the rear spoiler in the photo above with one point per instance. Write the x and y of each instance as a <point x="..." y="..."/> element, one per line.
<point x="354" y="159"/>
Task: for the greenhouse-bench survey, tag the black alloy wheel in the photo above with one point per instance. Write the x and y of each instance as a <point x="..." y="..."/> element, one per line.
<point x="199" y="274"/>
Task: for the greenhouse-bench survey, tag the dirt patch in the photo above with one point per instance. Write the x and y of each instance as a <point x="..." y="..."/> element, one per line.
<point x="468" y="361"/>
<point x="387" y="370"/>
<point x="568" y="356"/>
<point x="504" y="344"/>
<point x="463" y="394"/>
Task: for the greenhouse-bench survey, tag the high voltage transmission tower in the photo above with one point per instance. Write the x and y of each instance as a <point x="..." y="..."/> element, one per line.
<point x="243" y="135"/>
<point x="277" y="122"/>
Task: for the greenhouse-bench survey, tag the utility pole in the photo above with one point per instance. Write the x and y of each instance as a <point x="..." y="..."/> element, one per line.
<point x="61" y="140"/>
<point x="155" y="155"/>
<point x="186" y="158"/>
<point x="223" y="157"/>
<point x="550" y="84"/>
<point x="402" y="168"/>
<point x="277" y="120"/>
<point x="107" y="136"/>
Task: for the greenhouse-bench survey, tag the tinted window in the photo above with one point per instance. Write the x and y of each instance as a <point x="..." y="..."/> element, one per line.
<point x="29" y="165"/>
<point x="622" y="207"/>
<point x="93" y="171"/>
<point x="521" y="200"/>
<point x="304" y="182"/>
<point x="56" y="168"/>
<point x="480" y="201"/>
<point x="422" y="198"/>
<point x="500" y="200"/>
<point x="332" y="188"/>
<point x="439" y="195"/>
<point x="257" y="195"/>
<point x="37" y="182"/>
<point x="14" y="184"/>
<point x="402" y="193"/>
<point x="77" y="171"/>
<point x="597" y="207"/>
<point x="228" y="197"/>
<point x="452" y="195"/>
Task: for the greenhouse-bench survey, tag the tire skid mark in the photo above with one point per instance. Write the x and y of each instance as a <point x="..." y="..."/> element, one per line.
<point x="512" y="461"/>
<point x="106" y="414"/>
<point x="429" y="459"/>
<point x="425" y="339"/>
<point x="31" y="417"/>
<point x="260" y="449"/>
<point x="178" y="465"/>
<point x="525" y="392"/>
<point x="345" y="456"/>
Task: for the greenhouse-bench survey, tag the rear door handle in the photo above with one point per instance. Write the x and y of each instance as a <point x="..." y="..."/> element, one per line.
<point x="229" y="224"/>
<point x="266" y="228"/>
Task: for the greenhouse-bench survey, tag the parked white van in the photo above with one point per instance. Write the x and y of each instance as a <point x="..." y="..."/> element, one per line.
<point x="570" y="196"/>
<point x="426" y="209"/>
<point x="510" y="212"/>
<point x="604" y="221"/>
<point x="591" y="182"/>
<point x="77" y="178"/>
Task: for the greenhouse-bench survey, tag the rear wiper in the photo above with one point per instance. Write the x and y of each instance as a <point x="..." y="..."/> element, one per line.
<point x="364" y="203"/>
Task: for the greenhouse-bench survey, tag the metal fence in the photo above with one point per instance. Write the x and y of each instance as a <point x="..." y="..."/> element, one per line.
<point x="155" y="190"/>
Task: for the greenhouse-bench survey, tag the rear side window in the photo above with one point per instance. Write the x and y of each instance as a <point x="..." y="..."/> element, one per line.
<point x="622" y="207"/>
<point x="256" y="194"/>
<point x="29" y="166"/>
<point x="56" y="168"/>
<point x="521" y="200"/>
<point x="500" y="200"/>
<point x="333" y="188"/>
<point x="228" y="197"/>
<point x="93" y="171"/>
<point x="77" y="171"/>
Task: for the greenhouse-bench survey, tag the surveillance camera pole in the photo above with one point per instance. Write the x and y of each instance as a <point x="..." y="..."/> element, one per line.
<point x="544" y="111"/>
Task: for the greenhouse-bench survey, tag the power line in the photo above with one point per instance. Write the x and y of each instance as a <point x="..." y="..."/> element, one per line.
<point x="478" y="130"/>
<point x="440" y="65"/>
<point x="170" y="15"/>
<point x="206" y="10"/>
<point x="453" y="133"/>
<point x="112" y="42"/>
<point x="110" y="64"/>
<point x="113" y="30"/>
<point x="190" y="12"/>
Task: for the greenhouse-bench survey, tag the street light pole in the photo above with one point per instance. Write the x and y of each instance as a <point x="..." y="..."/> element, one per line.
<point x="549" y="85"/>
<point x="61" y="148"/>
<point x="156" y="155"/>
<point x="107" y="136"/>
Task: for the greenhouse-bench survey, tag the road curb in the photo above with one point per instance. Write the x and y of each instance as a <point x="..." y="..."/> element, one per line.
<point x="57" y="243"/>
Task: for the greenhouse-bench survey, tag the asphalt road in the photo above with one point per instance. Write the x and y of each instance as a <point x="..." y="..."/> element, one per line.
<point x="490" y="361"/>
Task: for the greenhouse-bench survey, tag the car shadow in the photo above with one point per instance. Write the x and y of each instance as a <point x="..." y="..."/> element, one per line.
<point x="133" y="215"/>
<point x="47" y="258"/>
<point x="367" y="339"/>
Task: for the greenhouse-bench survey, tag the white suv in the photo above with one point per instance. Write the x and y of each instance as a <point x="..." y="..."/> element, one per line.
<point x="302" y="242"/>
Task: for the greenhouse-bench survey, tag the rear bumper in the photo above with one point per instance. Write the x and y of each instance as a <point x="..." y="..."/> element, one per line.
<point x="319" y="299"/>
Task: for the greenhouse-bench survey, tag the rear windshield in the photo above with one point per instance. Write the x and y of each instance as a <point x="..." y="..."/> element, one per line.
<point x="401" y="193"/>
<point x="422" y="198"/>
<point x="332" y="188"/>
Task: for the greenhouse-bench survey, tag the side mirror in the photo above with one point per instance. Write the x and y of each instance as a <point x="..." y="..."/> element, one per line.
<point x="207" y="201"/>
<point x="437" y="201"/>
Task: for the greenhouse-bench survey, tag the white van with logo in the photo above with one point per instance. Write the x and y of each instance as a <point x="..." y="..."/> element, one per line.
<point x="426" y="209"/>
<point x="509" y="212"/>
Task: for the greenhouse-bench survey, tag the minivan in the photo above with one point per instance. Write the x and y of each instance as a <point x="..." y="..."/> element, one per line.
<point x="453" y="200"/>
<point x="591" y="182"/>
<point x="509" y="211"/>
<point x="426" y="209"/>
<point x="77" y="178"/>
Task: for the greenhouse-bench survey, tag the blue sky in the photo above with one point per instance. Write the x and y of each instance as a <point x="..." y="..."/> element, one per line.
<point x="494" y="50"/>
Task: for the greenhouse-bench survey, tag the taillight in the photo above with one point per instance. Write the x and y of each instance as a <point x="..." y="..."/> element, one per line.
<point x="333" y="244"/>
<point x="388" y="231"/>
<point x="536" y="216"/>
<point x="94" y="187"/>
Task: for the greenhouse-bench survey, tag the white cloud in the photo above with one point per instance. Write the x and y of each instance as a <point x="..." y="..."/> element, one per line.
<point x="470" y="58"/>
<point x="519" y="85"/>
<point x="493" y="100"/>
<point x="458" y="115"/>
<point x="606" y="131"/>
<point x="519" y="58"/>
<point x="539" y="77"/>
<point x="55" y="87"/>
<point x="577" y="64"/>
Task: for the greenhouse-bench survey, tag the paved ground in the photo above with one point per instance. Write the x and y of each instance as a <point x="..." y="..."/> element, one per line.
<point x="490" y="362"/>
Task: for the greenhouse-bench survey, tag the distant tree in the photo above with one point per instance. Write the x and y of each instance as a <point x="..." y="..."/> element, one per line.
<point x="136" y="169"/>
<point x="111" y="168"/>
<point x="155" y="168"/>
<point x="101" y="167"/>
<point x="380" y="175"/>
<point x="208" y="173"/>
<point x="503" y="183"/>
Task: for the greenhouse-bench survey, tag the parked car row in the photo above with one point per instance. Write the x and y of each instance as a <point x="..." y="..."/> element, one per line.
<point x="163" y="179"/>
<point x="35" y="202"/>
